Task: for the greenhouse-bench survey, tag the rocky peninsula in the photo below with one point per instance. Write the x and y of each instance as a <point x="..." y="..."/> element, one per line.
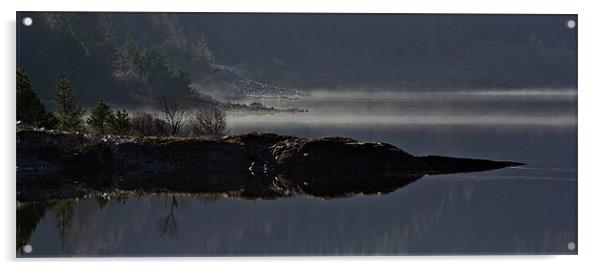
<point x="53" y="165"/>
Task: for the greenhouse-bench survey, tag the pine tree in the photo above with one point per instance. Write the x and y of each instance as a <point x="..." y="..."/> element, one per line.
<point x="126" y="62"/>
<point x="68" y="110"/>
<point x="202" y="56"/>
<point x="30" y="109"/>
<point x="120" y="123"/>
<point x="100" y="117"/>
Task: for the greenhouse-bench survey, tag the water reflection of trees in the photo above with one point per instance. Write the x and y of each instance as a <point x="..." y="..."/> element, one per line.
<point x="63" y="218"/>
<point x="103" y="199"/>
<point x="208" y="198"/>
<point x="28" y="217"/>
<point x="168" y="225"/>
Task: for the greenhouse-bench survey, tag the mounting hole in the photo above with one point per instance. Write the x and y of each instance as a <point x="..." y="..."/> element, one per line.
<point x="27" y="248"/>
<point x="27" y="21"/>
<point x="571" y="246"/>
<point x="571" y="24"/>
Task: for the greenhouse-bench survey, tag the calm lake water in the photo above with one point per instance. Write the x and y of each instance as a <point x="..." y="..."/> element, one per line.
<point x="527" y="210"/>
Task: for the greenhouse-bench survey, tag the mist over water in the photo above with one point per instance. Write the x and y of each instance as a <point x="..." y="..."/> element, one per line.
<point x="510" y="108"/>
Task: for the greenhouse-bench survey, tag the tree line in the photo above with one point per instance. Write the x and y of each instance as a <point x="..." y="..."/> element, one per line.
<point x="171" y="116"/>
<point x="126" y="63"/>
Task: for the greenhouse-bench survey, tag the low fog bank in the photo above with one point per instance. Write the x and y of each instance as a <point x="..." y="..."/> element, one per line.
<point x="375" y="93"/>
<point x="367" y="109"/>
<point x="252" y="123"/>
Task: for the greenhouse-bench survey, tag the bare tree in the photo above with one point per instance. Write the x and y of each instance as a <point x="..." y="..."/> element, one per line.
<point x="174" y="112"/>
<point x="209" y="122"/>
<point x="146" y="125"/>
<point x="142" y="124"/>
<point x="168" y="225"/>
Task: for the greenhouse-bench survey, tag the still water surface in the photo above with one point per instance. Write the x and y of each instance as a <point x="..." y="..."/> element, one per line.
<point x="532" y="209"/>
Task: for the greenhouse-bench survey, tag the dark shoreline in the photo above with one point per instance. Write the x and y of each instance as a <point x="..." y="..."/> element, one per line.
<point x="54" y="165"/>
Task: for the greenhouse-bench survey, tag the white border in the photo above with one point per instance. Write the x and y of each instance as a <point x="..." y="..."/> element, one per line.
<point x="589" y="132"/>
<point x="372" y="6"/>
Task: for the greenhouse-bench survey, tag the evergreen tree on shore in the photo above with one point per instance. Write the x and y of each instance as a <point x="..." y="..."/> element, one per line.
<point x="100" y="117"/>
<point x="120" y="123"/>
<point x="30" y="109"/>
<point x="69" y="111"/>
